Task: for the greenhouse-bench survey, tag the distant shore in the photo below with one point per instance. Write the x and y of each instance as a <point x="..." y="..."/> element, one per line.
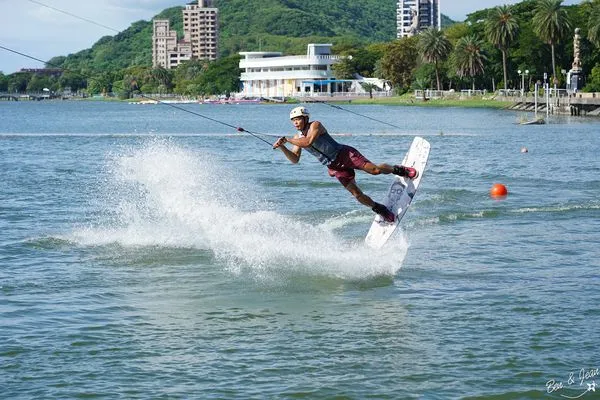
<point x="573" y="105"/>
<point x="475" y="102"/>
<point x="410" y="100"/>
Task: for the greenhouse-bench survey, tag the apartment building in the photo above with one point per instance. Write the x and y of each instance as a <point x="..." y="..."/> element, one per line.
<point x="166" y="51"/>
<point x="200" y="36"/>
<point x="201" y="29"/>
<point x="414" y="16"/>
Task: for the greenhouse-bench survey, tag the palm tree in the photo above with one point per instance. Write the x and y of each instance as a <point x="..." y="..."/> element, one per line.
<point x="551" y="23"/>
<point x="101" y="83"/>
<point x="369" y="87"/>
<point x="435" y="48"/>
<point x="501" y="29"/>
<point x="421" y="84"/>
<point x="594" y="22"/>
<point x="344" y="69"/>
<point x="162" y="77"/>
<point x="469" y="57"/>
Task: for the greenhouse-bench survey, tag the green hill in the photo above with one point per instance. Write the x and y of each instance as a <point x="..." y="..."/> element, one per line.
<point x="249" y="25"/>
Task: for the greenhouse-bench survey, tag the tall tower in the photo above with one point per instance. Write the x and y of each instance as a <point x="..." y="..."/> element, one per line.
<point x="413" y="16"/>
<point x="201" y="29"/>
<point x="200" y="36"/>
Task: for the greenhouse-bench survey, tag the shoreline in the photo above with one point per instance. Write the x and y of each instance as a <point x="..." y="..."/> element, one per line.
<point x="491" y="102"/>
<point x="412" y="102"/>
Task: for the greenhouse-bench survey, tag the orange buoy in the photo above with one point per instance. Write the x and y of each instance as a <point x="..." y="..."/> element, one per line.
<point x="498" y="190"/>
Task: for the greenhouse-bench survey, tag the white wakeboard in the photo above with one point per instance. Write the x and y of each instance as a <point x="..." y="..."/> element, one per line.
<point x="400" y="194"/>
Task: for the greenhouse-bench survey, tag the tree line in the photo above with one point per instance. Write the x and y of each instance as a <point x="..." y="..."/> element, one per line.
<point x="492" y="49"/>
<point x="193" y="78"/>
<point x="486" y="51"/>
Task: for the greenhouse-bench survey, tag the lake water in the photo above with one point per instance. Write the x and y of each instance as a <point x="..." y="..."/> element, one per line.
<point x="146" y="252"/>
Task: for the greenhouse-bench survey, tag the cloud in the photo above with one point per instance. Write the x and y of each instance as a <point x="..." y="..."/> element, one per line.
<point x="44" y="32"/>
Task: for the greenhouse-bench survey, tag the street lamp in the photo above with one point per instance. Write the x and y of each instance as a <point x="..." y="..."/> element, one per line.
<point x="523" y="73"/>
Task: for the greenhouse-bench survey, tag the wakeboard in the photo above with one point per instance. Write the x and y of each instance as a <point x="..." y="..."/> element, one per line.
<point x="400" y="195"/>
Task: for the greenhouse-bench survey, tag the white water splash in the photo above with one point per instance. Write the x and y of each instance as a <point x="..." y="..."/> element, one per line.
<point x="164" y="195"/>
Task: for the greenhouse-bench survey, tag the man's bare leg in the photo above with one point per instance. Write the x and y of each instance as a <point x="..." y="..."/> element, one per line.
<point x="359" y="195"/>
<point x="376" y="169"/>
<point x="367" y="201"/>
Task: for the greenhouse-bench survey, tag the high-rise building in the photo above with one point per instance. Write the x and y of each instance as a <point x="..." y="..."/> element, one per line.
<point x="200" y="36"/>
<point x="201" y="29"/>
<point x="165" y="51"/>
<point x="413" y="16"/>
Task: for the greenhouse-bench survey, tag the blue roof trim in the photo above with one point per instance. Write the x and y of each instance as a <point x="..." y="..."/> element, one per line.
<point x="326" y="81"/>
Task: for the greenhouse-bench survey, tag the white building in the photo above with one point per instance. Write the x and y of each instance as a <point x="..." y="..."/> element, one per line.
<point x="270" y="74"/>
<point x="413" y="16"/>
<point x="200" y="36"/>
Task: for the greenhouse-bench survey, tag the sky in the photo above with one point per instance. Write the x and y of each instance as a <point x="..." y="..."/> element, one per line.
<point x="42" y="32"/>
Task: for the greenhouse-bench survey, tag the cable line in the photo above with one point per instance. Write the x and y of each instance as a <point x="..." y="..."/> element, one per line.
<point x="74" y="16"/>
<point x="115" y="30"/>
<point x="359" y="114"/>
<point x="237" y="128"/>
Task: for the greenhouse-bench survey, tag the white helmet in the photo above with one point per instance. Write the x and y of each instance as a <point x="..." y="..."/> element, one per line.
<point x="299" y="112"/>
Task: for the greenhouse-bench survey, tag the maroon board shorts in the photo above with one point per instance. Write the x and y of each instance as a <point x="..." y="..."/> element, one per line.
<point x="347" y="160"/>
